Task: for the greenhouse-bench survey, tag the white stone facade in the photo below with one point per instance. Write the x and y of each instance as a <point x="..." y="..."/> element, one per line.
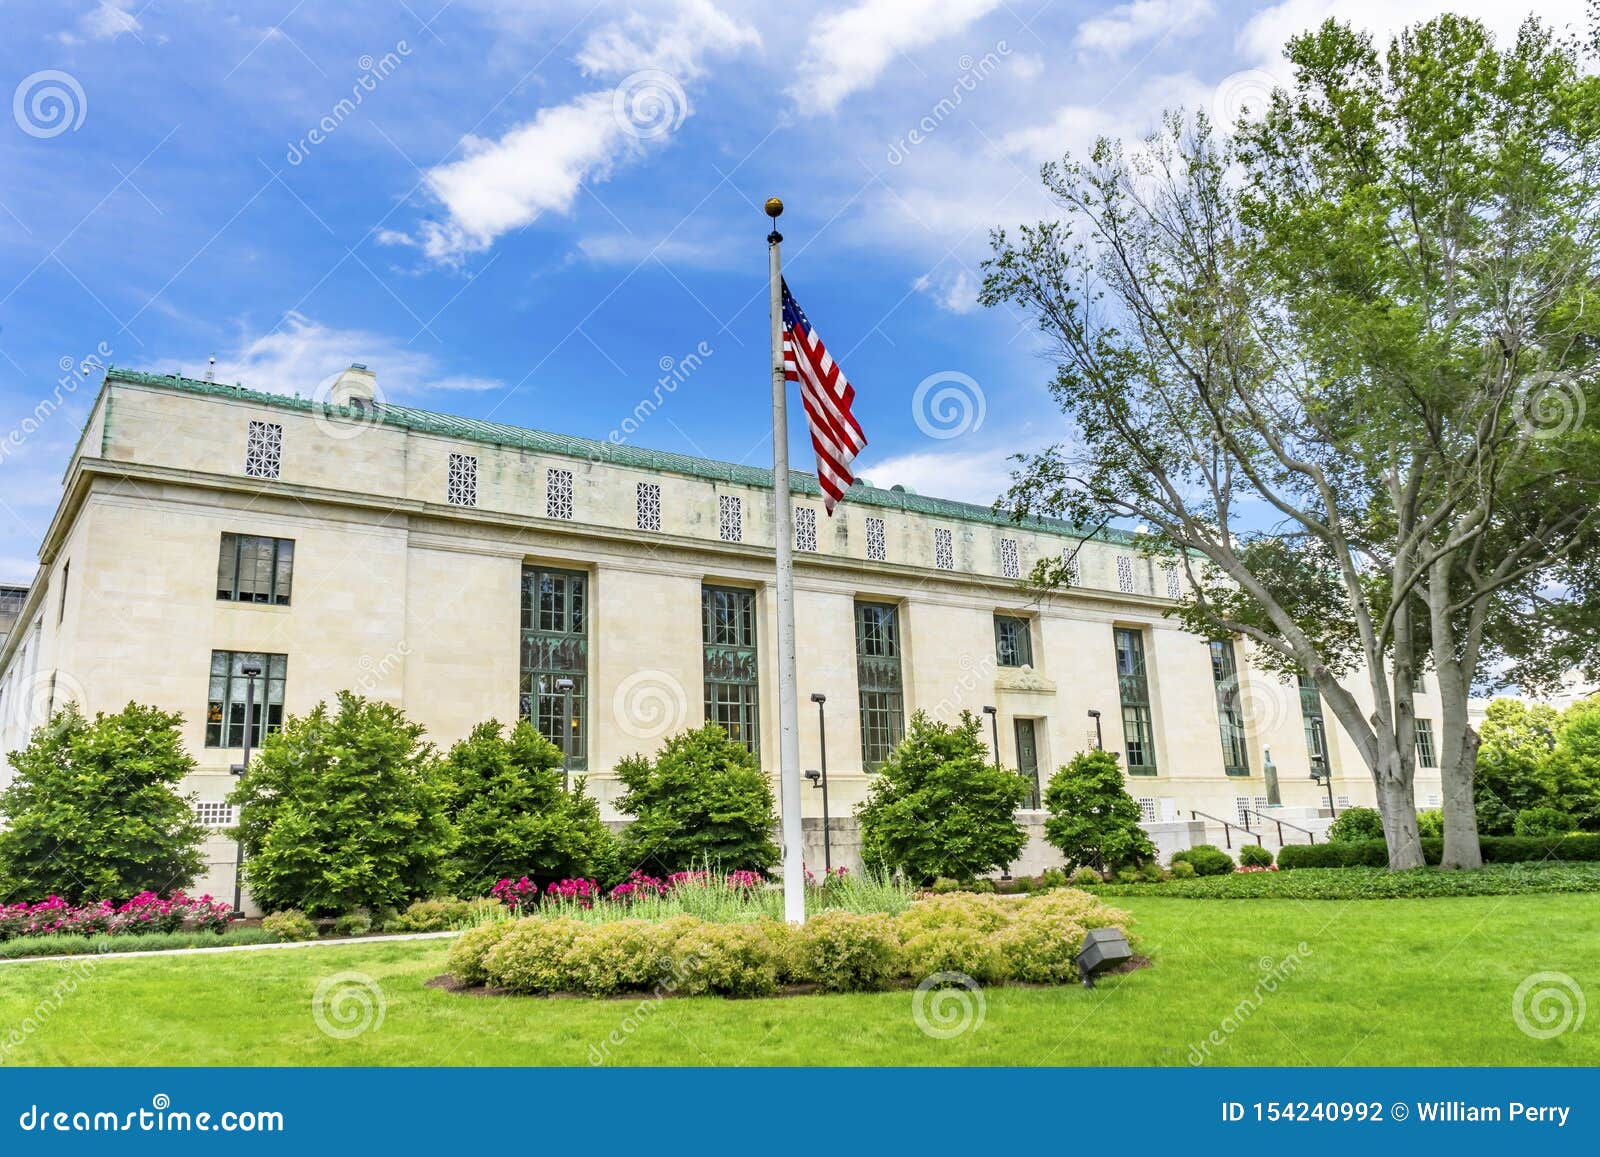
<point x="407" y="571"/>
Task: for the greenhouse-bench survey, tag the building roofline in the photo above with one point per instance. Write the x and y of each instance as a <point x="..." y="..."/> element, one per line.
<point x="614" y="453"/>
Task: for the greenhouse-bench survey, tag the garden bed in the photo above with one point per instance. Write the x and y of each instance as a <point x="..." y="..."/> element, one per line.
<point x="1363" y="883"/>
<point x="945" y="940"/>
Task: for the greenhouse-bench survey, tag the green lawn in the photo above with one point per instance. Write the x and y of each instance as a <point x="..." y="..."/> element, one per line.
<point x="1380" y="982"/>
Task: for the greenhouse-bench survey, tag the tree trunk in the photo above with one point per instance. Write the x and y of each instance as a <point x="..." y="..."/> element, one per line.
<point x="1461" y="846"/>
<point x="1397" y="803"/>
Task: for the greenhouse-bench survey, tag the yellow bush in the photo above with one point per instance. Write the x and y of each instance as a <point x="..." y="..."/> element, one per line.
<point x="731" y="959"/>
<point x="616" y="956"/>
<point x="532" y="957"/>
<point x="964" y="950"/>
<point x="467" y="954"/>
<point x="848" y="952"/>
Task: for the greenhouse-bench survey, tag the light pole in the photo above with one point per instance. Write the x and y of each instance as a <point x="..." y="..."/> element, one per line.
<point x="1099" y="736"/>
<point x="249" y="670"/>
<point x="994" y="729"/>
<point x="820" y="779"/>
<point x="564" y="685"/>
<point x="1323" y="774"/>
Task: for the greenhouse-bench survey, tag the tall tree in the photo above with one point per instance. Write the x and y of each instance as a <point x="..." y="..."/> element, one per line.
<point x="1342" y="363"/>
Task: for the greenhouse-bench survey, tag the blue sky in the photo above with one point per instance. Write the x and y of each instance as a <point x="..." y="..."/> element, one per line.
<point x="529" y="211"/>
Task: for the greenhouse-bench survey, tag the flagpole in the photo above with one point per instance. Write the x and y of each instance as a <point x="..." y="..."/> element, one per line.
<point x="794" y="881"/>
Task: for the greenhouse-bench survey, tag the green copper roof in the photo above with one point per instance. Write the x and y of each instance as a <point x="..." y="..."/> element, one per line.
<point x="621" y="454"/>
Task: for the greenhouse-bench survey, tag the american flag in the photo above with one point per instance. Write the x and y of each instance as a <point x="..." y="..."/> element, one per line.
<point x="835" y="434"/>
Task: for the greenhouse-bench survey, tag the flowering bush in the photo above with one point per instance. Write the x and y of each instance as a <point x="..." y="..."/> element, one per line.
<point x="519" y="896"/>
<point x="146" y="912"/>
<point x="580" y="892"/>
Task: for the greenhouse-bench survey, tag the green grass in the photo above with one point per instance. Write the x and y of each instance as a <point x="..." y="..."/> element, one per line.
<point x="1379" y="982"/>
<point x="1372" y="883"/>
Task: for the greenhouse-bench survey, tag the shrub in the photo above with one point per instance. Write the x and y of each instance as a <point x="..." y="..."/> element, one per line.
<point x="343" y="810"/>
<point x="1576" y="847"/>
<point x="985" y="886"/>
<point x="1207" y="859"/>
<point x="1127" y="875"/>
<point x="505" y="796"/>
<point x="731" y="959"/>
<point x="439" y="915"/>
<point x="846" y="952"/>
<point x="1543" y="821"/>
<point x="1378" y="883"/>
<point x="983" y="914"/>
<point x="95" y="809"/>
<point x="1356" y="824"/>
<point x="1085" y="876"/>
<point x="1093" y="819"/>
<point x="1042" y="940"/>
<point x="471" y="949"/>
<point x="1053" y="878"/>
<point x="532" y="957"/>
<point x="1183" y="870"/>
<point x="1151" y="873"/>
<point x="938" y="807"/>
<point x="145" y="914"/>
<point x="1574" y="766"/>
<point x="291" y="925"/>
<point x="1255" y="856"/>
<point x="618" y="956"/>
<point x="965" y="950"/>
<point x="1430" y="823"/>
<point x="703" y="801"/>
<point x="357" y="923"/>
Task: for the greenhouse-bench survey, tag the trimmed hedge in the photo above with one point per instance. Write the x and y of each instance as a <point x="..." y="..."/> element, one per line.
<point x="1583" y="847"/>
<point x="1374" y="883"/>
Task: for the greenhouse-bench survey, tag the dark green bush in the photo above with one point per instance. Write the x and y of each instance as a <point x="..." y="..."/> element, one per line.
<point x="1580" y="847"/>
<point x="344" y="809"/>
<point x="1181" y="870"/>
<point x="938" y="807"/>
<point x="289" y="926"/>
<point x="94" y="811"/>
<point x="1374" y="883"/>
<point x="1430" y="824"/>
<point x="1355" y="824"/>
<point x="514" y="818"/>
<point x="1087" y="876"/>
<point x="1208" y="859"/>
<point x="1254" y="856"/>
<point x="1093" y="819"/>
<point x="1544" y="821"/>
<point x="1052" y="878"/>
<point x="702" y="802"/>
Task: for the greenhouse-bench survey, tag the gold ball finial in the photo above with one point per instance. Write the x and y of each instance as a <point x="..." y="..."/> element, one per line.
<point x="774" y="207"/>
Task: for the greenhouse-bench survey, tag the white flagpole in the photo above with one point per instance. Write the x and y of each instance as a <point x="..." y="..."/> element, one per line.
<point x="794" y="880"/>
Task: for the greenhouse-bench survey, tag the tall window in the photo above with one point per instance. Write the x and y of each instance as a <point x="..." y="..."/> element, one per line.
<point x="230" y="687"/>
<point x="1426" y="755"/>
<point x="254" y="569"/>
<point x="1124" y="574"/>
<point x="461" y="487"/>
<point x="883" y="712"/>
<point x="263" y="450"/>
<point x="558" y="494"/>
<point x="555" y="650"/>
<point x="1133" y="683"/>
<point x="1311" y="717"/>
<point x="647" y="506"/>
<point x="730" y="518"/>
<point x="944" y="549"/>
<point x="1230" y="715"/>
<point x="877" y="540"/>
<point x="1010" y="560"/>
<point x="732" y="664"/>
<point x="1013" y="641"/>
<point x="805" y="529"/>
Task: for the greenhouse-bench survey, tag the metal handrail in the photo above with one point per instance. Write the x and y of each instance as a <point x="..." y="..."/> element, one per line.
<point x="1227" y="828"/>
<point x="1250" y="811"/>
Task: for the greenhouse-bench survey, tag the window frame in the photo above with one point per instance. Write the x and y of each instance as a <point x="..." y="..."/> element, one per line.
<point x="266" y="715"/>
<point x="280" y="584"/>
<point x="880" y="681"/>
<point x="1023" y="654"/>
<point x="554" y="638"/>
<point x="731" y="648"/>
<point x="1133" y="691"/>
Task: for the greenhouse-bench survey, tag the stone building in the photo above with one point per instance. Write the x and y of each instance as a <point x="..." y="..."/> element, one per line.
<point x="464" y="570"/>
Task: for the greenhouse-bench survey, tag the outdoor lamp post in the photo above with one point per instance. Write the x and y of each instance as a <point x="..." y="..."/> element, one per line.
<point x="1323" y="774"/>
<point x="994" y="728"/>
<point x="1099" y="736"/>
<point x="820" y="778"/>
<point x="249" y="670"/>
<point x="564" y="685"/>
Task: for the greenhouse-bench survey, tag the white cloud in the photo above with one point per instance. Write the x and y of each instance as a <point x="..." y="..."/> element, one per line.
<point x="953" y="292"/>
<point x="1129" y="24"/>
<point x="848" y="50"/>
<point x="108" y="20"/>
<point x="301" y="354"/>
<point x="978" y="476"/>
<point x="1074" y="128"/>
<point x="541" y="166"/>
